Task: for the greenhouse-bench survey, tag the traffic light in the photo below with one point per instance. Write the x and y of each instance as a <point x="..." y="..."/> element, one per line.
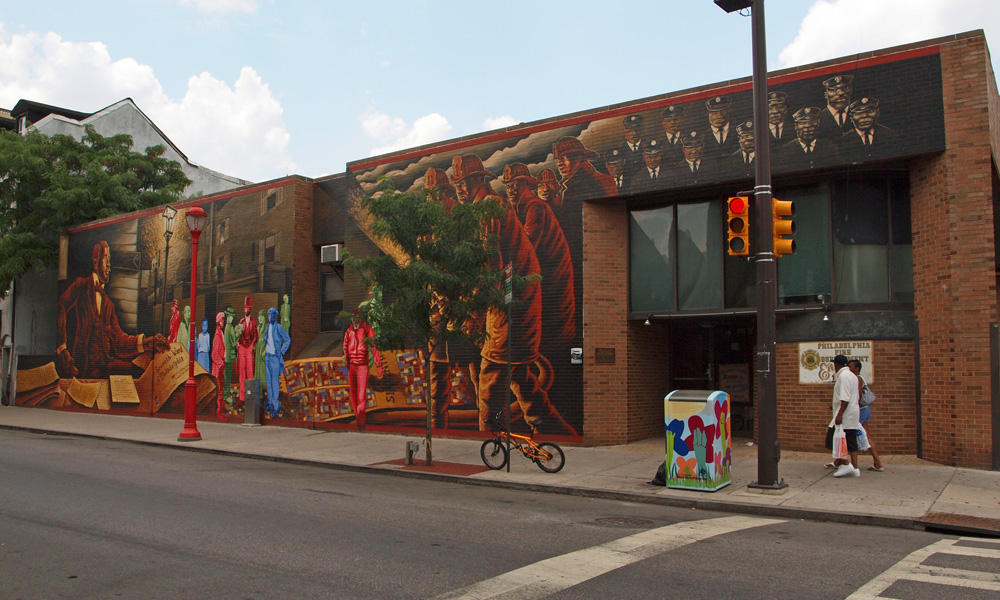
<point x="738" y="226"/>
<point x="782" y="211"/>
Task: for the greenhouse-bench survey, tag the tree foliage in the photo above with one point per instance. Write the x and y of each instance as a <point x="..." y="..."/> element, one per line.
<point x="445" y="283"/>
<point x="49" y="184"/>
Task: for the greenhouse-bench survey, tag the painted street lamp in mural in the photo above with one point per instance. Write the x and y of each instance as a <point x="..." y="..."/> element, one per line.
<point x="196" y="219"/>
<point x="169" y="212"/>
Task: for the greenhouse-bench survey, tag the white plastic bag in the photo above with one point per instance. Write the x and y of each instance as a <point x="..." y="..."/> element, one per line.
<point x="839" y="443"/>
<point x="863" y="443"/>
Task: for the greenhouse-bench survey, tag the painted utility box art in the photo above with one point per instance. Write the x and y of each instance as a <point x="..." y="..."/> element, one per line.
<point x="699" y="451"/>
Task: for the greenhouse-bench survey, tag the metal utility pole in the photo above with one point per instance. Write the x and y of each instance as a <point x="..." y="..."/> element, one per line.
<point x="768" y="450"/>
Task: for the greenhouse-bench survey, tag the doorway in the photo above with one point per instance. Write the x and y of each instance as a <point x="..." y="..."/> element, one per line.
<point x="715" y="353"/>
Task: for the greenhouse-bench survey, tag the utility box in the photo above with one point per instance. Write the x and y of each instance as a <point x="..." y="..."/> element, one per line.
<point x="699" y="447"/>
<point x="251" y="404"/>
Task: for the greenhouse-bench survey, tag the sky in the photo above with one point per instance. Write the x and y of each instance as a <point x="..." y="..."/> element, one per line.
<point x="260" y="89"/>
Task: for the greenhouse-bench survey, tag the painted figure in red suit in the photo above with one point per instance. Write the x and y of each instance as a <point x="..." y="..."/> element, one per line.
<point x="356" y="344"/>
<point x="245" y="348"/>
<point x="91" y="344"/>
<point x="580" y="181"/>
<point x="549" y="189"/>
<point x="219" y="364"/>
<point x="175" y="322"/>
<point x="542" y="228"/>
<point x="515" y="341"/>
<point x="464" y="356"/>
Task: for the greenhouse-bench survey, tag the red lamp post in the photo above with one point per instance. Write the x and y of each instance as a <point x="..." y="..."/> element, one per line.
<point x="196" y="219"/>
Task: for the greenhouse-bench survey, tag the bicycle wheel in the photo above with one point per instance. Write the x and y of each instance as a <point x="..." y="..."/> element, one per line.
<point x="493" y="453"/>
<point x="554" y="464"/>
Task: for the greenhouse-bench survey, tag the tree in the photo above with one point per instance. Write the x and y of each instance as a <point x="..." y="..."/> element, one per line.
<point x="438" y="285"/>
<point x="49" y="184"/>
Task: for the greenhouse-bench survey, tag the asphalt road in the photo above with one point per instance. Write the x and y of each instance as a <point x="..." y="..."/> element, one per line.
<point x="86" y="518"/>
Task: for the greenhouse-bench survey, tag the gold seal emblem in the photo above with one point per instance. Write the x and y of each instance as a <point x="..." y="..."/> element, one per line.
<point x="810" y="359"/>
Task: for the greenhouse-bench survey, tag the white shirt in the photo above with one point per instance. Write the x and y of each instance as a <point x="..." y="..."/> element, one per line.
<point x="845" y="389"/>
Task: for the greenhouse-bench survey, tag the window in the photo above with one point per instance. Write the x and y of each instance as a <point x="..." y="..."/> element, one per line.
<point x="853" y="242"/>
<point x="675" y="257"/>
<point x="861" y="240"/>
<point x="222" y="231"/>
<point x="269" y="201"/>
<point x="805" y="275"/>
<point x="224" y="265"/>
<point x="271" y="248"/>
<point x="651" y="260"/>
<point x="699" y="255"/>
<point x="332" y="299"/>
<point x="901" y="250"/>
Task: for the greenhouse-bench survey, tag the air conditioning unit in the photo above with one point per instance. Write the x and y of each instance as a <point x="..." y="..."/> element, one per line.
<point x="330" y="254"/>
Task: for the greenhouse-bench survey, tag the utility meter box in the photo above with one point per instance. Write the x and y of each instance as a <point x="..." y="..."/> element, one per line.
<point x="699" y="448"/>
<point x="251" y="405"/>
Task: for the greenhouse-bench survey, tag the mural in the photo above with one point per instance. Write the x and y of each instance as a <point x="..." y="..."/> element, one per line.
<point x="545" y="172"/>
<point x="124" y="320"/>
<point x="126" y="295"/>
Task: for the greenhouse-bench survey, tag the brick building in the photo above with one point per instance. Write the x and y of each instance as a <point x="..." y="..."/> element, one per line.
<point x="897" y="261"/>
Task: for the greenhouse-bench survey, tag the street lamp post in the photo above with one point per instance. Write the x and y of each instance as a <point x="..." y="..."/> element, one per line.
<point x="768" y="449"/>
<point x="169" y="212"/>
<point x="196" y="219"/>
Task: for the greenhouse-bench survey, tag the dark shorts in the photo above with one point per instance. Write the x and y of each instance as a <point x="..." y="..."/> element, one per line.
<point x="850" y="434"/>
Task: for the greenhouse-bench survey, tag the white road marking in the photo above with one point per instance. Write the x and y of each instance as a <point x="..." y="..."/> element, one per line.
<point x="912" y="569"/>
<point x="554" y="574"/>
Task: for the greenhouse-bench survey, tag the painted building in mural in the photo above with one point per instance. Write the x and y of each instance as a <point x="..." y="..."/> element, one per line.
<point x="889" y="158"/>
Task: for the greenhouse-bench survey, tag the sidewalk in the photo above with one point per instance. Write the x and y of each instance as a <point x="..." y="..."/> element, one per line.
<point x="909" y="493"/>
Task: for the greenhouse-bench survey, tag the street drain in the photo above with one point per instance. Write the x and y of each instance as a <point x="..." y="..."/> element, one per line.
<point x="623" y="522"/>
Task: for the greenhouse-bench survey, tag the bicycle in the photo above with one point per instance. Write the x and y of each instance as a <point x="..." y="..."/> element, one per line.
<point x="547" y="455"/>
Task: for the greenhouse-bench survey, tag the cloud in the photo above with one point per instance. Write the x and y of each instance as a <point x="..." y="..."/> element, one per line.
<point x="393" y="133"/>
<point x="236" y="128"/>
<point x="222" y="6"/>
<point x="835" y="28"/>
<point x="499" y="122"/>
<point x="240" y="128"/>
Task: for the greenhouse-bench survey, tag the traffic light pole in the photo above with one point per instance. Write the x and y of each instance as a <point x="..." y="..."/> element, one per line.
<point x="768" y="450"/>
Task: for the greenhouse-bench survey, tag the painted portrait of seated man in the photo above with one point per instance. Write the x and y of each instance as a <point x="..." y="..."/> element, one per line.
<point x="91" y="343"/>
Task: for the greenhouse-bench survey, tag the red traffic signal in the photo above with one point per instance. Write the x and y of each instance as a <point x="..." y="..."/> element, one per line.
<point x="738" y="226"/>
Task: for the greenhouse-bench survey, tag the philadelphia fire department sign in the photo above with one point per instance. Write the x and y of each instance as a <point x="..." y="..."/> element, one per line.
<point x="816" y="359"/>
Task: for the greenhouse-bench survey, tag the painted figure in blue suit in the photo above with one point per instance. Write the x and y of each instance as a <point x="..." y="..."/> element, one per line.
<point x="276" y="342"/>
<point x="203" y="347"/>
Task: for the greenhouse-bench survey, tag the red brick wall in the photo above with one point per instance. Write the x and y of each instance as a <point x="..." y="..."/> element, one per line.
<point x="804" y="410"/>
<point x="305" y="270"/>
<point x="605" y="310"/>
<point x="648" y="377"/>
<point x="954" y="266"/>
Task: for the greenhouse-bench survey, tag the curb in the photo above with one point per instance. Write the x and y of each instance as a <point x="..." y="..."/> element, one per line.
<point x="696" y="504"/>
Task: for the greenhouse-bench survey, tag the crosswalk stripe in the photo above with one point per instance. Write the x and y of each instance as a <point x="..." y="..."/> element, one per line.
<point x="910" y="568"/>
<point x="949" y="572"/>
<point x="554" y="574"/>
<point x="956" y="581"/>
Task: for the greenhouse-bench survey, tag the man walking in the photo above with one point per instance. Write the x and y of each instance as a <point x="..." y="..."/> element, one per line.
<point x="845" y="413"/>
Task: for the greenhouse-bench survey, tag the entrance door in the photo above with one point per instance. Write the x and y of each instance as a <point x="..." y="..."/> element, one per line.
<point x="692" y="348"/>
<point x="716" y="354"/>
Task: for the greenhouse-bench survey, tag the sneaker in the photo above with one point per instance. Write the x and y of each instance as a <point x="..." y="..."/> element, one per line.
<point x="845" y="470"/>
<point x="855" y="473"/>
